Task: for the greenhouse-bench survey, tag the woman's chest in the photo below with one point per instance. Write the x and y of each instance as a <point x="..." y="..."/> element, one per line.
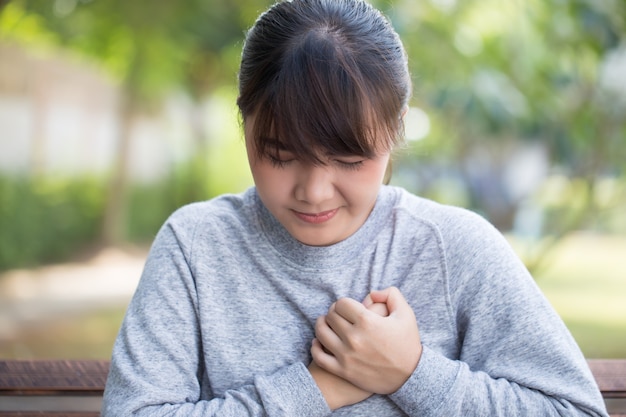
<point x="255" y="319"/>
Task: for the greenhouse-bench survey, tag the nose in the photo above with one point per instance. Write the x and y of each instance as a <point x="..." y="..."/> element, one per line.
<point x="315" y="184"/>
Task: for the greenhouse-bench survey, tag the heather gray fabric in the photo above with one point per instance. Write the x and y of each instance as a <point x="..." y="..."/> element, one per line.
<point x="222" y="321"/>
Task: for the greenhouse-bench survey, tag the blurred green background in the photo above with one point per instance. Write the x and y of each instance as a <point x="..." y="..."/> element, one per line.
<point x="113" y="114"/>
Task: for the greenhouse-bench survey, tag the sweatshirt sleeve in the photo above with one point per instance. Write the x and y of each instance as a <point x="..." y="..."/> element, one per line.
<point x="157" y="362"/>
<point x="516" y="357"/>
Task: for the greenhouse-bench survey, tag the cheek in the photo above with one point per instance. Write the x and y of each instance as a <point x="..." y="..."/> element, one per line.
<point x="381" y="170"/>
<point x="361" y="187"/>
<point x="271" y="182"/>
<point x="374" y="173"/>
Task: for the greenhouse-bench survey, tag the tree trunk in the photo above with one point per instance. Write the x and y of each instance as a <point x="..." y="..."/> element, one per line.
<point x="40" y="113"/>
<point x="115" y="212"/>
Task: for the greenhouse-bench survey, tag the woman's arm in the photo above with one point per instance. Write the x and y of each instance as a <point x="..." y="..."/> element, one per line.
<point x="157" y="367"/>
<point x="367" y="354"/>
<point x="516" y="357"/>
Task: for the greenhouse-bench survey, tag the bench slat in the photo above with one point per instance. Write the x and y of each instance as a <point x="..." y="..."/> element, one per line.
<point x="68" y="378"/>
<point x="45" y="377"/>
<point x="610" y="375"/>
<point x="48" y="414"/>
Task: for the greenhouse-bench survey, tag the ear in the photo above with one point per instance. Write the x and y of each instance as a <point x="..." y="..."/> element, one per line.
<point x="388" y="172"/>
<point x="405" y="110"/>
<point x="389" y="169"/>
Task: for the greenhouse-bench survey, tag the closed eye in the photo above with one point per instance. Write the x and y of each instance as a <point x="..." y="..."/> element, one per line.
<point x="279" y="160"/>
<point x="350" y="165"/>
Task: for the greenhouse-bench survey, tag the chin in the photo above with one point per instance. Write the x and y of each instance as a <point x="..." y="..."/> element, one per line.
<point x="316" y="240"/>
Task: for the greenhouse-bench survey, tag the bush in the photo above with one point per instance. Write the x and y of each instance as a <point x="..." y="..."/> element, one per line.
<point x="47" y="219"/>
<point x="150" y="205"/>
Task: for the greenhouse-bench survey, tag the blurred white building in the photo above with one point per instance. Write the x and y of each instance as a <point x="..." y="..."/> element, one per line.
<point x="60" y="116"/>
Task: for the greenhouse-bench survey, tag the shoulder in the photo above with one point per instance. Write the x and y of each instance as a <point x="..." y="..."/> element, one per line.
<point x="446" y="220"/>
<point x="466" y="239"/>
<point x="224" y="215"/>
<point x="476" y="254"/>
<point x="216" y="210"/>
<point x="202" y="229"/>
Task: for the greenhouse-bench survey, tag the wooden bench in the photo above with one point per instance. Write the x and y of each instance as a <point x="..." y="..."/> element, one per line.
<point x="73" y="388"/>
<point x="56" y="388"/>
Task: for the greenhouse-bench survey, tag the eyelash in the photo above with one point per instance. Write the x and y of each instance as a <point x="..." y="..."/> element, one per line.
<point x="279" y="163"/>
<point x="353" y="166"/>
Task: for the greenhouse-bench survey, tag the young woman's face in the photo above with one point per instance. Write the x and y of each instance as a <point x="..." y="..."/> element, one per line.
<point x="319" y="205"/>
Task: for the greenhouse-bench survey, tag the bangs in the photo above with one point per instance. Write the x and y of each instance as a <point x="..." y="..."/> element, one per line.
<point x="321" y="103"/>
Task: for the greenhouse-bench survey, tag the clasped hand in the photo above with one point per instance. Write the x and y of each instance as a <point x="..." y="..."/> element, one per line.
<point x="374" y="345"/>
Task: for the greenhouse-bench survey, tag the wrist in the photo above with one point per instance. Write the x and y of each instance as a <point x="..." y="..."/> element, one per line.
<point x="321" y="379"/>
<point x="336" y="391"/>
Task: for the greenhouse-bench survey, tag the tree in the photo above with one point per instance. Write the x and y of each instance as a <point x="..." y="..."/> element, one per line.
<point x="152" y="49"/>
<point x="492" y="73"/>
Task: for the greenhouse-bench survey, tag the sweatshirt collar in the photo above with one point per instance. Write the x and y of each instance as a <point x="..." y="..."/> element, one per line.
<point x="323" y="257"/>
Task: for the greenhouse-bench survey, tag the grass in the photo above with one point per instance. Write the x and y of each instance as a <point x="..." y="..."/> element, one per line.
<point x="585" y="282"/>
<point x="87" y="336"/>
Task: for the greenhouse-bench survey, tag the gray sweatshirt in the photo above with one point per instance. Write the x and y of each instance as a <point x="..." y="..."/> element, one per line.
<point x="222" y="320"/>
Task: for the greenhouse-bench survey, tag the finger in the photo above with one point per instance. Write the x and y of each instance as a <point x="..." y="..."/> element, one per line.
<point x="339" y="325"/>
<point x="379" y="296"/>
<point x="327" y="336"/>
<point x="332" y="307"/>
<point x="367" y="301"/>
<point x="322" y="358"/>
<point x="316" y="345"/>
<point x="379" y="308"/>
<point x="349" y="309"/>
<point x="392" y="297"/>
<point x="396" y="302"/>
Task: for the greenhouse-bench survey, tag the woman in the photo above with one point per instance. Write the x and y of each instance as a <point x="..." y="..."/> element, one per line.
<point x="303" y="295"/>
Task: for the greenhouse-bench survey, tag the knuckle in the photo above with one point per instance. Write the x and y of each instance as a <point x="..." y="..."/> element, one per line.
<point x="366" y="321"/>
<point x="356" y="343"/>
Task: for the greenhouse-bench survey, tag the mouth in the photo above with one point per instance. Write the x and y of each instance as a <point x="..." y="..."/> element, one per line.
<point x="316" y="218"/>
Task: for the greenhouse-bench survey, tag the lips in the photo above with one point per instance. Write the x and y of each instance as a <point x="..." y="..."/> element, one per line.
<point x="316" y="218"/>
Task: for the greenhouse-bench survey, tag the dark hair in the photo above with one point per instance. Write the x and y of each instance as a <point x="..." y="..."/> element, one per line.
<point x="326" y="76"/>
